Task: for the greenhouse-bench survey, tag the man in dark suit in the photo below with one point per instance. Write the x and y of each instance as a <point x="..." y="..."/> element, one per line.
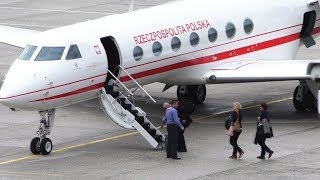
<point x="185" y="109"/>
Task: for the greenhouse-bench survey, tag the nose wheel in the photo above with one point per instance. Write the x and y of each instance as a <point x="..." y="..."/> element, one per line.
<point x="42" y="144"/>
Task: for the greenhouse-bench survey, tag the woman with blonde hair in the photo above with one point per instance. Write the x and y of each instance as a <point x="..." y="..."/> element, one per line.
<point x="236" y="128"/>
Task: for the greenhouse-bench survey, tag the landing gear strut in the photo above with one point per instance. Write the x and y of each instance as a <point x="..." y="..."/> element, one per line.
<point x="303" y="99"/>
<point x="42" y="144"/>
<point x="196" y="93"/>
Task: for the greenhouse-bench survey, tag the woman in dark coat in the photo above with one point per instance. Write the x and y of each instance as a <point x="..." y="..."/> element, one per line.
<point x="236" y="118"/>
<point x="260" y="135"/>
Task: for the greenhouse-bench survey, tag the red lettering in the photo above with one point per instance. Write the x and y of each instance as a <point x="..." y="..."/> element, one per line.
<point x="167" y="32"/>
<point x="203" y="24"/>
<point x="188" y="27"/>
<point x="171" y="31"/>
<point x="163" y="33"/>
<point x="143" y="39"/>
<point x="207" y="23"/>
<point x="147" y="37"/>
<point x="154" y="35"/>
<point x="193" y="27"/>
<point x="159" y="34"/>
<point x="136" y="40"/>
<point x="199" y="25"/>
<point x="183" y="29"/>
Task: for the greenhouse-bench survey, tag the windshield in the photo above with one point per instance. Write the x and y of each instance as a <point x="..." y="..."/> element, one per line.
<point x="73" y="53"/>
<point x="27" y="52"/>
<point x="50" y="54"/>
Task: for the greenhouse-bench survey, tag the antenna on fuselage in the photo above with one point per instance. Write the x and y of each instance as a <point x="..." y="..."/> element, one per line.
<point x="131" y="6"/>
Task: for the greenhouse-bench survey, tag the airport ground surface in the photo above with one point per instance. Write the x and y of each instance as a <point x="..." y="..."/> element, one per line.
<point x="89" y="146"/>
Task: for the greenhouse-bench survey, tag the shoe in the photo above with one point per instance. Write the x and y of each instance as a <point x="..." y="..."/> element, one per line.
<point x="183" y="150"/>
<point x="241" y="154"/>
<point x="261" y="157"/>
<point x="270" y="154"/>
<point x="233" y="157"/>
<point x="176" y="158"/>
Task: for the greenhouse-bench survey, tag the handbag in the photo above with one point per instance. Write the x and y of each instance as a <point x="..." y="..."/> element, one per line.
<point x="236" y="125"/>
<point x="267" y="128"/>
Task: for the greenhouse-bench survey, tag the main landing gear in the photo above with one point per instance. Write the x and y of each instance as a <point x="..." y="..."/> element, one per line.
<point x="303" y="98"/>
<point x="42" y="144"/>
<point x="196" y="93"/>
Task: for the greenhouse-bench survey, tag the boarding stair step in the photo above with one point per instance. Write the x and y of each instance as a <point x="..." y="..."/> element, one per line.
<point x="134" y="112"/>
<point x="140" y="119"/>
<point x="152" y="131"/>
<point x="127" y="107"/>
<point x="158" y="138"/>
<point x="146" y="125"/>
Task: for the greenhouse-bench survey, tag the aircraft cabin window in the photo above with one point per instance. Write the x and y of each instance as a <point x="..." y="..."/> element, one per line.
<point x="137" y="53"/>
<point x="230" y="30"/>
<point x="248" y="26"/>
<point x="157" y="48"/>
<point x="194" y="39"/>
<point x="73" y="53"/>
<point x="27" y="52"/>
<point x="50" y="54"/>
<point x="175" y="44"/>
<point x="212" y="35"/>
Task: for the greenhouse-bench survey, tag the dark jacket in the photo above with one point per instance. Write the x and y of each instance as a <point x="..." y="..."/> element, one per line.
<point x="260" y="136"/>
<point x="185" y="109"/>
<point x="235" y="117"/>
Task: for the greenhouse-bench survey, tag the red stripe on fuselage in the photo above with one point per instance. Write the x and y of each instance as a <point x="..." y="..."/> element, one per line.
<point x="202" y="60"/>
<point x="78" y="91"/>
<point x="216" y="57"/>
<point x="53" y="87"/>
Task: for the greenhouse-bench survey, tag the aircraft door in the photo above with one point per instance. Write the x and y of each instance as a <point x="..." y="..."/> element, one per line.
<point x="113" y="56"/>
<point x="309" y="21"/>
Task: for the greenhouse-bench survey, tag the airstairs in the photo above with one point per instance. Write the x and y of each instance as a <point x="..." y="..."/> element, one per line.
<point x="118" y="107"/>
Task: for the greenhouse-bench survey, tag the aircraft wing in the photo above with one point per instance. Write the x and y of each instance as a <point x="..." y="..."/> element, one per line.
<point x="263" y="70"/>
<point x="16" y="36"/>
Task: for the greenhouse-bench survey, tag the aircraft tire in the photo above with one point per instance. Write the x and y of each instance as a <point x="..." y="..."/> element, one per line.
<point x="300" y="107"/>
<point x="46" y="146"/>
<point x="310" y="102"/>
<point x="35" y="145"/>
<point x="199" y="93"/>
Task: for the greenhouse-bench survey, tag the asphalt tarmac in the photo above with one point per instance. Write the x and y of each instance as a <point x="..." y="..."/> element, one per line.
<point x="87" y="145"/>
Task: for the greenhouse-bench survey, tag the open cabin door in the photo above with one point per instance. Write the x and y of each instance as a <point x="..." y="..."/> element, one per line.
<point x="113" y="56"/>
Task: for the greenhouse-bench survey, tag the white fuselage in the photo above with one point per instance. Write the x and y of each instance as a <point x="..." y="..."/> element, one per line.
<point x="35" y="85"/>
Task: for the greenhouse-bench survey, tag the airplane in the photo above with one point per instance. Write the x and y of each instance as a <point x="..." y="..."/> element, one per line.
<point x="186" y="43"/>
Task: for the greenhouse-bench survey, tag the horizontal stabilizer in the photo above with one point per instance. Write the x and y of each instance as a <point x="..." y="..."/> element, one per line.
<point x="16" y="36"/>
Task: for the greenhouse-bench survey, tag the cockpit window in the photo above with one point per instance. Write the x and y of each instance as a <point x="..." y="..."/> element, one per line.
<point x="27" y="52"/>
<point x="50" y="53"/>
<point x="73" y="53"/>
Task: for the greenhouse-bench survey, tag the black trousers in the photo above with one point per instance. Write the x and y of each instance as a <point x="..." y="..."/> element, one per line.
<point x="234" y="143"/>
<point x="264" y="147"/>
<point x="181" y="141"/>
<point x="172" y="140"/>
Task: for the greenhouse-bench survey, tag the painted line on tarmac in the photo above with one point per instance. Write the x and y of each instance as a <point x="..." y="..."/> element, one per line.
<point x="124" y="135"/>
<point x="247" y="107"/>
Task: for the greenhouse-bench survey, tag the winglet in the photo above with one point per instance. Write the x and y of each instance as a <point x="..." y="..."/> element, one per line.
<point x="131" y="6"/>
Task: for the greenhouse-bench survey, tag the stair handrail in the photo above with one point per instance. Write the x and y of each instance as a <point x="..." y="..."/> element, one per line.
<point x="120" y="82"/>
<point x="138" y="84"/>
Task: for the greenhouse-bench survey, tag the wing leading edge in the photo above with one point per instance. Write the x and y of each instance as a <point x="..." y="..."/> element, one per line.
<point x="264" y="70"/>
<point x="16" y="36"/>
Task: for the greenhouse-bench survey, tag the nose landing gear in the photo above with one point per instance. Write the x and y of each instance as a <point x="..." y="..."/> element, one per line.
<point x="42" y="144"/>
